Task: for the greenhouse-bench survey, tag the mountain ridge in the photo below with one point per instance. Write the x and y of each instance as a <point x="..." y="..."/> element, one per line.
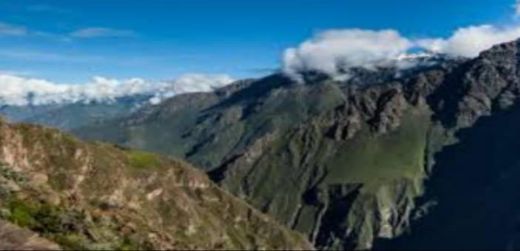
<point x="287" y="148"/>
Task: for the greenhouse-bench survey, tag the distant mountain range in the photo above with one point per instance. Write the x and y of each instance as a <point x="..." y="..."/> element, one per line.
<point x="398" y="158"/>
<point x="70" y="115"/>
<point x="68" y="106"/>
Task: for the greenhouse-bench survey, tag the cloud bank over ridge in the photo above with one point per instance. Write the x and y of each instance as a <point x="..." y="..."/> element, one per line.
<point x="21" y="91"/>
<point x="470" y="41"/>
<point x="334" y="51"/>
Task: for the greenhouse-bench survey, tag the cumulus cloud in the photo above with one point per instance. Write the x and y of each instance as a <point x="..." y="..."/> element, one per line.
<point x="331" y="51"/>
<point x="20" y="91"/>
<point x="470" y="41"/>
<point x="334" y="52"/>
<point x="12" y="30"/>
<point x="96" y="32"/>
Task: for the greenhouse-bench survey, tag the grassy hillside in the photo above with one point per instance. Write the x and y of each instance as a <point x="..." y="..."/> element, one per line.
<point x="369" y="158"/>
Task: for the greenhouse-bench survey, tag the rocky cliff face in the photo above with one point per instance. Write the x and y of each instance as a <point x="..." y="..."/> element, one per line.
<point x="347" y="163"/>
<point x="97" y="196"/>
<point x="471" y="200"/>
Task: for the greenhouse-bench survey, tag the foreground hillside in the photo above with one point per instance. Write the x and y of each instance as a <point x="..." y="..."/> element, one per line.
<point x="381" y="159"/>
<point x="97" y="196"/>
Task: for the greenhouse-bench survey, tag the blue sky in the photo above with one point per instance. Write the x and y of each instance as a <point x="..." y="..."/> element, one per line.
<point x="71" y="41"/>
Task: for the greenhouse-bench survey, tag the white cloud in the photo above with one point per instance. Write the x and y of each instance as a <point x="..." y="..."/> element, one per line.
<point x="7" y="29"/>
<point x="334" y="52"/>
<point x="12" y="30"/>
<point x="189" y="83"/>
<point x="470" y="41"/>
<point x="199" y="82"/>
<point x="95" y="32"/>
<point x="20" y="91"/>
<point x="331" y="51"/>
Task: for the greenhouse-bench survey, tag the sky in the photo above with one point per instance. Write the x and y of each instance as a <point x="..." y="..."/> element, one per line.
<point x="73" y="41"/>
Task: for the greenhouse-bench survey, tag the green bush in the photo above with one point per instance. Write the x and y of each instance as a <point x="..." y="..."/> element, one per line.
<point x="140" y="159"/>
<point x="22" y="213"/>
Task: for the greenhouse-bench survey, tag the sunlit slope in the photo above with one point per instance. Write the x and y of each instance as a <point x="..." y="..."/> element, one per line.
<point x="97" y="196"/>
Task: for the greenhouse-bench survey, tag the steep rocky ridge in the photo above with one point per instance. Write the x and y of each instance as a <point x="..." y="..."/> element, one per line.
<point x="471" y="200"/>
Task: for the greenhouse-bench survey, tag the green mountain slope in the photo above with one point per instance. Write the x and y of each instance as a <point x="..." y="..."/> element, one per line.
<point x="97" y="196"/>
<point x="296" y="151"/>
<point x="346" y="163"/>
